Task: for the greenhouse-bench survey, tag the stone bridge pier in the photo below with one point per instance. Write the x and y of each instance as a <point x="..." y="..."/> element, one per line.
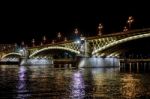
<point x="24" y="56"/>
<point x="85" y="48"/>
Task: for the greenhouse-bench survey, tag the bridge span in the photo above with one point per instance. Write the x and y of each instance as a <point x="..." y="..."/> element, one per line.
<point x="98" y="46"/>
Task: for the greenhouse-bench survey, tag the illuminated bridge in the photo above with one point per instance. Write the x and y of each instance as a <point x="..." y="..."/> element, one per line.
<point x="110" y="45"/>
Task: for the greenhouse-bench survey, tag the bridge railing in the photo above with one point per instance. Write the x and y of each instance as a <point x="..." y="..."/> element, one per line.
<point x="52" y="44"/>
<point x="122" y="33"/>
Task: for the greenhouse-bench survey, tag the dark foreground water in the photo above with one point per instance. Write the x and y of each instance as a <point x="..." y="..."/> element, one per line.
<point x="43" y="82"/>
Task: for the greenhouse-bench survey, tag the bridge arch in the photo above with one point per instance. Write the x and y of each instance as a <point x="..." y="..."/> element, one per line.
<point x="54" y="47"/>
<point x="120" y="42"/>
<point x="18" y="54"/>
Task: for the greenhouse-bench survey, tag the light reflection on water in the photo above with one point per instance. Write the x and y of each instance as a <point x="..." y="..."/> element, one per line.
<point x="77" y="86"/>
<point x="22" y="80"/>
<point x="43" y="81"/>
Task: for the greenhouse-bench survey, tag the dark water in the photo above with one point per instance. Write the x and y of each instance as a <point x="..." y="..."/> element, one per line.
<point x="43" y="82"/>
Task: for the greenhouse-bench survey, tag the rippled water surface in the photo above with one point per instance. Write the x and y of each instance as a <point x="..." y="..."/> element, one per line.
<point x="43" y="82"/>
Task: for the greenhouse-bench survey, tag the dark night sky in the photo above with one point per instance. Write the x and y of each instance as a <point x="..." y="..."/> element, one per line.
<point x="22" y="22"/>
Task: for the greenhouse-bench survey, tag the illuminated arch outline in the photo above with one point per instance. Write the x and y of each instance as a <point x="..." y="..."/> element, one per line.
<point x="121" y="41"/>
<point x="54" y="47"/>
<point x="10" y="54"/>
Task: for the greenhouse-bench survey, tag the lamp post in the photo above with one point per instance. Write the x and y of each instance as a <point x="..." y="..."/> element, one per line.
<point x="65" y="39"/>
<point x="130" y="21"/>
<point x="41" y="44"/>
<point x="22" y="43"/>
<point x="44" y="39"/>
<point x="76" y="31"/>
<point x="33" y="41"/>
<point x="125" y="29"/>
<point x="53" y="41"/>
<point x="59" y="35"/>
<point x="100" y="27"/>
<point x="15" y="46"/>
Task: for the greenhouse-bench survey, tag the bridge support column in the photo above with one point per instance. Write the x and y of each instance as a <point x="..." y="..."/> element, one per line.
<point x="25" y="56"/>
<point x="23" y="61"/>
<point x="85" y="48"/>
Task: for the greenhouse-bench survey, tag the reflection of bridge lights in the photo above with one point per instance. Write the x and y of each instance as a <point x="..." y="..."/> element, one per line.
<point x="77" y="74"/>
<point x="22" y="87"/>
<point x="22" y="72"/>
<point x="77" y="86"/>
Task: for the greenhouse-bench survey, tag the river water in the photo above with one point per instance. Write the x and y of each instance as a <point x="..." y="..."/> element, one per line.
<point x="44" y="82"/>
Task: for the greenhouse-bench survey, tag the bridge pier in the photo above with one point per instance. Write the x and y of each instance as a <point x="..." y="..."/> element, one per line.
<point x="85" y="49"/>
<point x="24" y="56"/>
<point x="23" y="61"/>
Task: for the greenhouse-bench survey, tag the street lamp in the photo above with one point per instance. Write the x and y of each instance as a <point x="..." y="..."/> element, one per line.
<point x="15" y="44"/>
<point x="100" y="27"/>
<point x="59" y="35"/>
<point x="41" y="44"/>
<point x="22" y="43"/>
<point x="33" y="41"/>
<point x="44" y="38"/>
<point x="125" y="29"/>
<point x="130" y="21"/>
<point x="65" y="39"/>
<point x="15" y="47"/>
<point x="53" y="41"/>
<point x="4" y="47"/>
<point x="76" y="31"/>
